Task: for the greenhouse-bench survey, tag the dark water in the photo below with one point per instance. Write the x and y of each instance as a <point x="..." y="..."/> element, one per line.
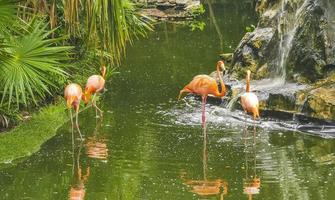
<point x="148" y="146"/>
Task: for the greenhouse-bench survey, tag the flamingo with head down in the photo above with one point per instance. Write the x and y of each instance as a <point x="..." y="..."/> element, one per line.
<point x="94" y="85"/>
<point x="205" y="85"/>
<point x="73" y="94"/>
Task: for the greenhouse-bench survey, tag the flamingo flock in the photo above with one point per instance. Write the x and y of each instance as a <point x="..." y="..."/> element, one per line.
<point x="202" y="85"/>
<point x="73" y="94"/>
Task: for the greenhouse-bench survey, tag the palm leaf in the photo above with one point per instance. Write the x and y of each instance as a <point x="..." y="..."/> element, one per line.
<point x="29" y="65"/>
<point x="7" y="13"/>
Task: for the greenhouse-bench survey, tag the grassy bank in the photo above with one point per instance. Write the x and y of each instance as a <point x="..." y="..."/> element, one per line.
<point x="27" y="138"/>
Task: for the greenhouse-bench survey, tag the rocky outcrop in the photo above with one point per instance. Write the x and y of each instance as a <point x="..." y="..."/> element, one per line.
<point x="252" y="53"/>
<point x="294" y="41"/>
<point x="320" y="103"/>
<point x="170" y="9"/>
<point x="298" y="35"/>
<point x="312" y="52"/>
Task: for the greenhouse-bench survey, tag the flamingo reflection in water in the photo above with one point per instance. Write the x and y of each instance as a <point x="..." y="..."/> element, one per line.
<point x="78" y="190"/>
<point x="251" y="183"/>
<point x="96" y="146"/>
<point x="206" y="187"/>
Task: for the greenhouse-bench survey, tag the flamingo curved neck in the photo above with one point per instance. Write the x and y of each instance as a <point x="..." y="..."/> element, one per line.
<point x="223" y="87"/>
<point x="247" y="89"/>
<point x="103" y="71"/>
<point x="89" y="90"/>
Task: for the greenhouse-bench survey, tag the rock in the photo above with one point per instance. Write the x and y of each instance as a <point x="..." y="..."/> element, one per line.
<point x="307" y="55"/>
<point x="321" y="103"/>
<point x="297" y="38"/>
<point x="169" y="9"/>
<point x="307" y="32"/>
<point x="252" y="51"/>
<point x="226" y="57"/>
<point x="262" y="72"/>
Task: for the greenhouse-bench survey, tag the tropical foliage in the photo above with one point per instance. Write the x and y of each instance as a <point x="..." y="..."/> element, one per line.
<point x="31" y="64"/>
<point x="104" y="26"/>
<point x="42" y="42"/>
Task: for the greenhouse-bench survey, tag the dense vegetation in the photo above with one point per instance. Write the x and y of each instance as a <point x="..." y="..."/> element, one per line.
<point x="44" y="44"/>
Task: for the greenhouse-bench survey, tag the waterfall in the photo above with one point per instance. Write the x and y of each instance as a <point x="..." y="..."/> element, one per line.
<point x="289" y="16"/>
<point x="287" y="26"/>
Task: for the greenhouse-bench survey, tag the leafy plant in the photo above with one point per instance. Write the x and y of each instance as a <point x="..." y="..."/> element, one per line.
<point x="250" y="28"/>
<point x="30" y="63"/>
<point x="7" y="13"/>
<point x="8" y="117"/>
<point x="198" y="10"/>
<point x="197" y="25"/>
<point x="105" y="25"/>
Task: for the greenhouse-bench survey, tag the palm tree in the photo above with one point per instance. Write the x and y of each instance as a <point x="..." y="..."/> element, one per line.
<point x="105" y="25"/>
<point x="30" y="61"/>
<point x="30" y="64"/>
<point x="32" y="51"/>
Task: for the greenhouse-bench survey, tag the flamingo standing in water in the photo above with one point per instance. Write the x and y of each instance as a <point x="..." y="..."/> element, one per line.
<point x="249" y="100"/>
<point x="73" y="94"/>
<point x="95" y="84"/>
<point x="205" y="85"/>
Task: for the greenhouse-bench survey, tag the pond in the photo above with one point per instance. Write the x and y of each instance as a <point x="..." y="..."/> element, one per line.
<point x="149" y="146"/>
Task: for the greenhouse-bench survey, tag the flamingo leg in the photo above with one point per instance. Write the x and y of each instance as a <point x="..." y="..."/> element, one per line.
<point x="204" y="98"/>
<point x="72" y="146"/>
<point x="71" y="117"/>
<point x="254" y="134"/>
<point x="95" y="106"/>
<point x="77" y="124"/>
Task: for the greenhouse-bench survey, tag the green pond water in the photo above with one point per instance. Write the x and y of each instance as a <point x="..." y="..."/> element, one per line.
<point x="149" y="146"/>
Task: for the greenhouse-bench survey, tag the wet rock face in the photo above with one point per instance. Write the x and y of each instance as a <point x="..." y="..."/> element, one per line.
<point x="294" y="39"/>
<point x="309" y="28"/>
<point x="321" y="103"/>
<point x="252" y="53"/>
<point x="308" y="56"/>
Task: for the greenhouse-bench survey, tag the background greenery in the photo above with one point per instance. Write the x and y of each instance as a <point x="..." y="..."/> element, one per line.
<point x="46" y="44"/>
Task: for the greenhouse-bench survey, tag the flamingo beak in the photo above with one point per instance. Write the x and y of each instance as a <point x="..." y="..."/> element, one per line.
<point x="84" y="97"/>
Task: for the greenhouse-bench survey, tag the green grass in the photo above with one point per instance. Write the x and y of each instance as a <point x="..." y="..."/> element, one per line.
<point x="27" y="138"/>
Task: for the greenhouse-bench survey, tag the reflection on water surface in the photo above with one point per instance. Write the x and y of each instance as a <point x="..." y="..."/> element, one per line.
<point x="148" y="146"/>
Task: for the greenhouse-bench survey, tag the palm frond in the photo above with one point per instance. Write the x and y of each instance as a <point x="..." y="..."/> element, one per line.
<point x="7" y="13"/>
<point x="105" y="25"/>
<point x="29" y="64"/>
<point x="108" y="24"/>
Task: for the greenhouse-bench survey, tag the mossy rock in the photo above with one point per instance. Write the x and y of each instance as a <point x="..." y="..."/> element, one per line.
<point x="226" y="57"/>
<point x="262" y="72"/>
<point x="321" y="103"/>
<point x="251" y="51"/>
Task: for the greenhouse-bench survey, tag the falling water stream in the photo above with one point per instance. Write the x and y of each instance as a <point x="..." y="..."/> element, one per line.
<point x="288" y="22"/>
<point x="148" y="146"/>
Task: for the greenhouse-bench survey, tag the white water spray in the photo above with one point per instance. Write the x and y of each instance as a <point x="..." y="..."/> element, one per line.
<point x="287" y="27"/>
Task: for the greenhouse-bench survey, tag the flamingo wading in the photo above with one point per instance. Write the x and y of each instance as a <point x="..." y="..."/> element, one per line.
<point x="249" y="100"/>
<point x="73" y="94"/>
<point x="205" y="85"/>
<point x="95" y="84"/>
